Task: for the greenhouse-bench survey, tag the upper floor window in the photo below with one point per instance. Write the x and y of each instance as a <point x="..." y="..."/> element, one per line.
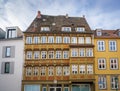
<point x="65" y="54"/>
<point x="81" y="52"/>
<point x="28" y="71"/>
<point x="58" y="39"/>
<point x="36" y="40"/>
<point x="81" y="40"/>
<point x="43" y="71"/>
<point x="114" y="83"/>
<point x="36" y="71"/>
<point x="112" y="46"/>
<point x="58" y="55"/>
<point x="66" y="70"/>
<point x="43" y="39"/>
<point x="113" y="63"/>
<point x="43" y="54"/>
<point x="66" y="29"/>
<point x="45" y="29"/>
<point x="80" y="29"/>
<point x="29" y="40"/>
<point x="51" y="71"/>
<point x="73" y="39"/>
<point x="51" y="39"/>
<point x="11" y="33"/>
<point x="58" y="70"/>
<point x="102" y="82"/>
<point x="74" y="69"/>
<point x="101" y="45"/>
<point x="36" y="54"/>
<point x="66" y="39"/>
<point x="51" y="54"/>
<point x="29" y="55"/>
<point x="8" y="52"/>
<point x="89" y="52"/>
<point x="99" y="32"/>
<point x="74" y="52"/>
<point x="101" y="63"/>
<point x="89" y="69"/>
<point x="88" y="40"/>
<point x="82" y="69"/>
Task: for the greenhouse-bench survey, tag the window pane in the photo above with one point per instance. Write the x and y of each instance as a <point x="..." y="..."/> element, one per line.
<point x="7" y="67"/>
<point x="8" y="51"/>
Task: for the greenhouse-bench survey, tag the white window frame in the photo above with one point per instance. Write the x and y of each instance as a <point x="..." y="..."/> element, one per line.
<point x="36" y="39"/>
<point x="102" y="82"/>
<point x="43" y="71"/>
<point x="58" y="54"/>
<point x="43" y="54"/>
<point x="80" y="29"/>
<point x="89" y="52"/>
<point x="50" y="39"/>
<point x="74" y="40"/>
<point x="29" y="55"/>
<point x="66" y="70"/>
<point x="101" y="45"/>
<point x="113" y="63"/>
<point x="82" y="69"/>
<point x="8" y="51"/>
<point x="36" y="54"/>
<point x="66" y="29"/>
<point x="51" y="54"/>
<point x="112" y="45"/>
<point x="28" y="40"/>
<point x="51" y="71"/>
<point x="74" y="52"/>
<point x="99" y="32"/>
<point x="90" y="69"/>
<point x="82" y="52"/>
<point x="45" y="29"/>
<point x="74" y="69"/>
<point x="101" y="63"/>
<point x="59" y="71"/>
<point x="113" y="83"/>
<point x="66" y="40"/>
<point x="43" y="39"/>
<point x="28" y="71"/>
<point x="81" y="40"/>
<point x="58" y="39"/>
<point x="88" y="40"/>
<point x="36" y="71"/>
<point x="65" y="54"/>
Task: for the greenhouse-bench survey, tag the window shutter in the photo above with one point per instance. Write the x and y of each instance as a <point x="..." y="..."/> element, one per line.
<point x="11" y="67"/>
<point x="12" y="51"/>
<point x="3" y="51"/>
<point x="3" y="68"/>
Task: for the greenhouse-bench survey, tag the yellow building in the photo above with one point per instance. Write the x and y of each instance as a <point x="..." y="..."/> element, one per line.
<point x="107" y="56"/>
<point x="59" y="55"/>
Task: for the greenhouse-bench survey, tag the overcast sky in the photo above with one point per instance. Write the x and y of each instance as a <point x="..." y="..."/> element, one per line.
<point x="103" y="14"/>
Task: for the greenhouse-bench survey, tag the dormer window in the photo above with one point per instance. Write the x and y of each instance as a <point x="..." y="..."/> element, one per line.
<point x="45" y="29"/>
<point x="66" y="29"/>
<point x="11" y="33"/>
<point x="99" y="32"/>
<point x="80" y="29"/>
<point x="119" y="33"/>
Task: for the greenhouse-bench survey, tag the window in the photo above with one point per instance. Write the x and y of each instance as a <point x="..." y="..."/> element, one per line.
<point x="112" y="46"/>
<point x="44" y="88"/>
<point x="58" y="55"/>
<point x="58" y="70"/>
<point x="66" y="29"/>
<point x="81" y="40"/>
<point x="45" y="29"/>
<point x="58" y="39"/>
<point x="28" y="40"/>
<point x="101" y="63"/>
<point x="8" y="52"/>
<point x="114" y="84"/>
<point x="43" y="39"/>
<point x="66" y="39"/>
<point x="102" y="82"/>
<point x="80" y="29"/>
<point x="11" y="33"/>
<point x="43" y="71"/>
<point x="36" y="40"/>
<point x="81" y="52"/>
<point x="36" y="54"/>
<point x="51" y="54"/>
<point x="73" y="39"/>
<point x="101" y="45"/>
<point x="28" y="71"/>
<point x="66" y="71"/>
<point x="50" y="71"/>
<point x="89" y="69"/>
<point x="74" y="69"/>
<point x="43" y="54"/>
<point x="82" y="69"/>
<point x="74" y="53"/>
<point x="66" y="88"/>
<point x="7" y="67"/>
<point x="29" y="55"/>
<point x="88" y="40"/>
<point x="36" y="71"/>
<point x="31" y="87"/>
<point x="99" y="32"/>
<point x="113" y="63"/>
<point x="51" y="39"/>
<point x="89" y="52"/>
<point x="65" y="54"/>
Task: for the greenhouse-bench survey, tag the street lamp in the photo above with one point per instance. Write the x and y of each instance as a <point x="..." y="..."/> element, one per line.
<point x="116" y="82"/>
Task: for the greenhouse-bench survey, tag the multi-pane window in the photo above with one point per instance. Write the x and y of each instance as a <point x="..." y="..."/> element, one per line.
<point x="36" y="71"/>
<point x="101" y="63"/>
<point x="43" y="54"/>
<point x="81" y="52"/>
<point x="113" y="63"/>
<point x="66" y="39"/>
<point x="8" y="52"/>
<point x="99" y="33"/>
<point x="29" y="40"/>
<point x="102" y="82"/>
<point x="43" y="39"/>
<point x="51" y="71"/>
<point x="36" y="54"/>
<point x="74" y="52"/>
<point x="42" y="71"/>
<point x="82" y="69"/>
<point x="66" y="70"/>
<point x="74" y="69"/>
<point x="58" y="39"/>
<point x="89" y="52"/>
<point x="11" y="33"/>
<point x="81" y="40"/>
<point x="112" y="46"/>
<point x="88" y="40"/>
<point x="101" y="46"/>
<point x="32" y="87"/>
<point x="89" y="69"/>
<point x="28" y="71"/>
<point x="45" y="29"/>
<point x="114" y="83"/>
<point x="58" y="70"/>
<point x="58" y="55"/>
<point x="7" y="67"/>
<point x="51" y="39"/>
<point x="73" y="39"/>
<point x="66" y="29"/>
<point x="36" y="40"/>
<point x="51" y="54"/>
<point x="65" y="54"/>
<point x="29" y="55"/>
<point x="80" y="29"/>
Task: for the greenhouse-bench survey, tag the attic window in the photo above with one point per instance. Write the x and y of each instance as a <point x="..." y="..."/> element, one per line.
<point x="45" y="29"/>
<point x="66" y="29"/>
<point x="119" y="33"/>
<point x="99" y="33"/>
<point x="80" y="29"/>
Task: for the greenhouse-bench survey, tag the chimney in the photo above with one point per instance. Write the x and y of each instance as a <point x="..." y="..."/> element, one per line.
<point x="66" y="16"/>
<point x="39" y="14"/>
<point x="83" y="16"/>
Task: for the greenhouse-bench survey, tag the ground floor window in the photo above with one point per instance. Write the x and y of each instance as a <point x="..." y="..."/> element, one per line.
<point x="81" y="87"/>
<point x="32" y="88"/>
